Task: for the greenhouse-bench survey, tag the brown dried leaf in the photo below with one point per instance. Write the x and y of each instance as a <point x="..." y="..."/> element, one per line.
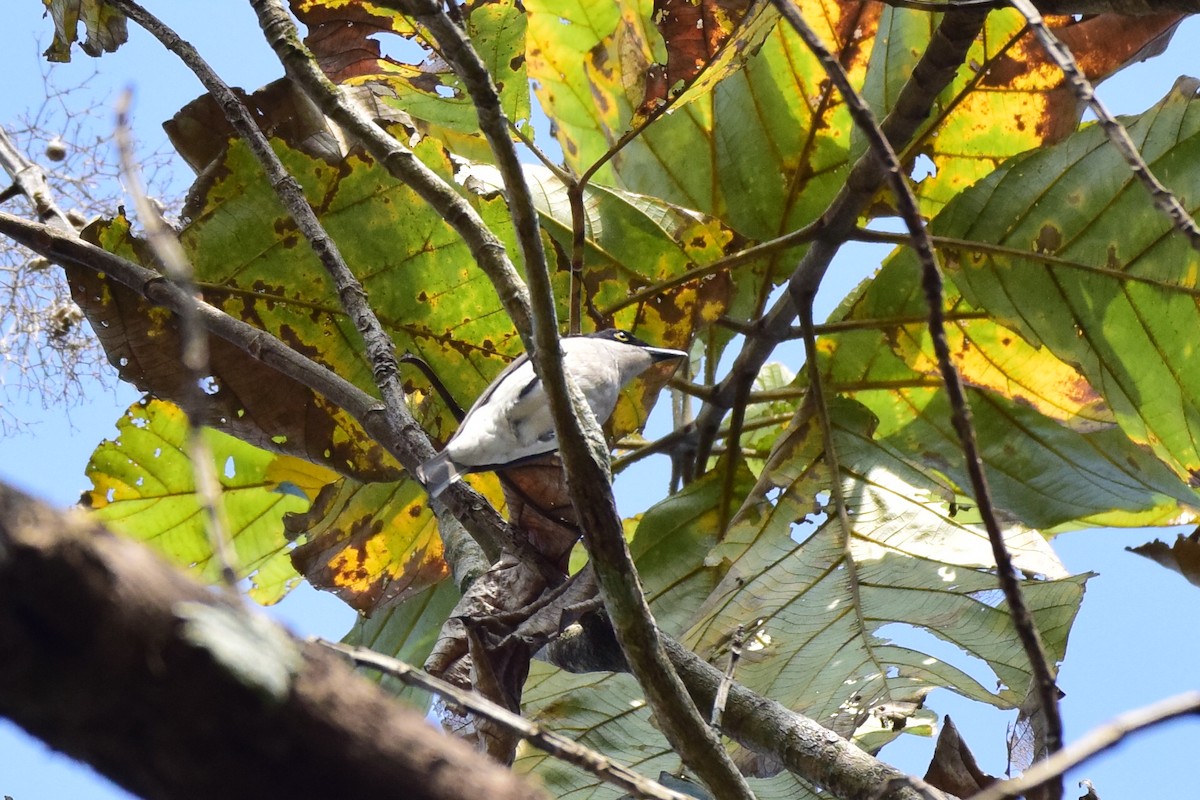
<point x="540" y="506"/>
<point x="1182" y="557"/>
<point x="953" y="768"/>
<point x="340" y="36"/>
<point x="246" y="399"/>
<point x="372" y="545"/>
<point x="693" y="33"/>
<point x="201" y="133"/>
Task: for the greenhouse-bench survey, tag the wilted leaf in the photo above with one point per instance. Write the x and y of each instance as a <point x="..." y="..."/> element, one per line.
<point x="143" y="486"/>
<point x="347" y="40"/>
<point x="373" y="545"/>
<point x="275" y="413"/>
<point x="106" y="27"/>
<point x="1011" y="97"/>
<point x="953" y="768"/>
<point x="1182" y="557"/>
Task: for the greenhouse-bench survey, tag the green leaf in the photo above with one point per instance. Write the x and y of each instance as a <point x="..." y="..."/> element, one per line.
<point x="143" y="486"/>
<point x="406" y="631"/>
<point x="1104" y="286"/>
<point x="1055" y="456"/>
<point x="832" y="601"/>
<point x="671" y="544"/>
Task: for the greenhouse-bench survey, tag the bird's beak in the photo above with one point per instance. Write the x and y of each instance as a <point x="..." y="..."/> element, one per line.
<point x="664" y="354"/>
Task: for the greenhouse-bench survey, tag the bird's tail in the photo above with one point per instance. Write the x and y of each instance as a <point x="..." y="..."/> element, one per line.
<point x="437" y="473"/>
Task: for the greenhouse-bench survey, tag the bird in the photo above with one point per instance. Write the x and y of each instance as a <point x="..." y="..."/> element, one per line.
<point x="511" y="422"/>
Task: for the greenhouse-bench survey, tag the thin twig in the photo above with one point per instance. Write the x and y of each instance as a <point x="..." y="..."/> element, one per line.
<point x="730" y="262"/>
<point x="194" y="350"/>
<point x="555" y="744"/>
<point x="30" y="180"/>
<point x="988" y="248"/>
<point x="1164" y="200"/>
<point x="1093" y="744"/>
<point x="803" y="289"/>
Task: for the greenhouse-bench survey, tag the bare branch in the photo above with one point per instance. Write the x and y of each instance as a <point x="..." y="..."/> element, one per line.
<point x="29" y="179"/>
<point x="556" y="745"/>
<point x="934" y="71"/>
<point x="803" y="746"/>
<point x="1094" y="743"/>
<point x="175" y="692"/>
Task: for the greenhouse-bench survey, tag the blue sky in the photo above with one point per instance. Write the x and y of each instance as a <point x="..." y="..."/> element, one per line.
<point x="1127" y="648"/>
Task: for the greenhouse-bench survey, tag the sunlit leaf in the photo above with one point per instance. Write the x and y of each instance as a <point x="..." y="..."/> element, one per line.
<point x="1105" y="288"/>
<point x="144" y="486"/>
<point x="840" y="613"/>
<point x="372" y="545"/>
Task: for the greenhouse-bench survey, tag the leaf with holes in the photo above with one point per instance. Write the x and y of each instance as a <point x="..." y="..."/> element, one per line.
<point x="144" y="486"/>
<point x="839" y="613"/>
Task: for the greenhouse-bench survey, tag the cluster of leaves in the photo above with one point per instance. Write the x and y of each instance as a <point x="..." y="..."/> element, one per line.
<point x="704" y="130"/>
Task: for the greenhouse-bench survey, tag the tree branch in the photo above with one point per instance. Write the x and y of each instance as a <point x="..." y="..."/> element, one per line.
<point x="30" y="180"/>
<point x="193" y="345"/>
<point x="1093" y="744"/>
<point x="583" y="448"/>
<point x="175" y="692"/>
<point x="803" y="746"/>
<point x="410" y="445"/>
<point x="555" y="744"/>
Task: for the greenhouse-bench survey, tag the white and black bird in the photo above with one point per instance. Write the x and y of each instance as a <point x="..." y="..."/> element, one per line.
<point x="511" y="421"/>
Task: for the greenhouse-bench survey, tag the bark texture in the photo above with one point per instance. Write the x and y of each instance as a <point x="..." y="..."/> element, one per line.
<point x="117" y="659"/>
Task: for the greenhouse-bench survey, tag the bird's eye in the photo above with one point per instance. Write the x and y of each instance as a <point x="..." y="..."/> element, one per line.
<point x="621" y="336"/>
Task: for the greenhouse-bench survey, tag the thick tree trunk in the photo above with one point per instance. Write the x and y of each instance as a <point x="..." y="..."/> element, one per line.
<point x="173" y="691"/>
